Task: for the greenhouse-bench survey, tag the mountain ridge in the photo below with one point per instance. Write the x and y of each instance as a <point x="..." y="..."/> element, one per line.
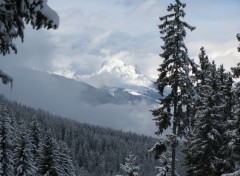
<point x="127" y="109"/>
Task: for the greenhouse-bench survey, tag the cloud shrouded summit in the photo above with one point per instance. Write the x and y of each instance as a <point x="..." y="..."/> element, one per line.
<point x="115" y="73"/>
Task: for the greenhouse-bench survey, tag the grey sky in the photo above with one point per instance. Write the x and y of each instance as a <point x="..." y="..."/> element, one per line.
<point x="93" y="31"/>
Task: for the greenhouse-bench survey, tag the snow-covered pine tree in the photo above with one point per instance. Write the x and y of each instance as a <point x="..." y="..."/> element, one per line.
<point x="129" y="167"/>
<point x="14" y="14"/>
<point x="204" y="67"/>
<point x="225" y="88"/>
<point x="49" y="163"/>
<point x="35" y="137"/>
<point x="174" y="73"/>
<point x="234" y="132"/>
<point x="164" y="157"/>
<point x="65" y="160"/>
<point x="206" y="151"/>
<point x="164" y="169"/>
<point x="202" y="146"/>
<point x="226" y="121"/>
<point x="6" y="142"/>
<point x="23" y="157"/>
<point x="200" y="78"/>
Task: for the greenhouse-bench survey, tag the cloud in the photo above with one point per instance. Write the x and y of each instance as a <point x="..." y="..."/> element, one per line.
<point x="226" y="53"/>
<point x="36" y="50"/>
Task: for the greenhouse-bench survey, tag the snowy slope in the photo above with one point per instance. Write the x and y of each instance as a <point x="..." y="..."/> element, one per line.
<point x="118" y="108"/>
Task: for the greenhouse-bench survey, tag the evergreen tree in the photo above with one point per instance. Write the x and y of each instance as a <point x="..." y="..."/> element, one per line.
<point x="164" y="157"/>
<point x="6" y="142"/>
<point x="203" y="143"/>
<point x="65" y="160"/>
<point x="200" y="79"/>
<point x="204" y="68"/>
<point x="129" y="167"/>
<point x="225" y="122"/>
<point x="234" y="132"/>
<point x="23" y="156"/>
<point x="165" y="164"/>
<point x="14" y="14"/>
<point x="49" y="161"/>
<point x="206" y="147"/>
<point x="34" y="135"/>
<point x="174" y="73"/>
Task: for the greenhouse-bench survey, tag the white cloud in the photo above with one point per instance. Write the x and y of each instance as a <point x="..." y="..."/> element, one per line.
<point x="225" y="53"/>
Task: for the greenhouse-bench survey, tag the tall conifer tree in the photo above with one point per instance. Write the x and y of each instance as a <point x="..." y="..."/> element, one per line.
<point x="129" y="167"/>
<point x="49" y="161"/>
<point x="23" y="156"/>
<point x="35" y="138"/>
<point x="207" y="150"/>
<point x="234" y="132"/>
<point x="6" y="142"/>
<point x="65" y="160"/>
<point x="174" y="73"/>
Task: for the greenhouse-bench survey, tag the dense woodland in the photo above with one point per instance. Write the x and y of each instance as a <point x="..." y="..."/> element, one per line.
<point x="89" y="150"/>
<point x="203" y="106"/>
<point x="92" y="150"/>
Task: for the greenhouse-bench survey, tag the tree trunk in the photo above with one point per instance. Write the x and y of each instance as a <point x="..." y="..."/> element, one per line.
<point x="173" y="157"/>
<point x="174" y="142"/>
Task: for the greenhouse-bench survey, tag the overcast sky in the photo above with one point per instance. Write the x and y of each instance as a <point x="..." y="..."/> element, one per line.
<point x="92" y="31"/>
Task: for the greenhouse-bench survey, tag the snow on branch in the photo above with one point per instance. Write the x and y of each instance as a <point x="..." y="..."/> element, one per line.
<point x="15" y="14"/>
<point x="6" y="78"/>
<point x="237" y="173"/>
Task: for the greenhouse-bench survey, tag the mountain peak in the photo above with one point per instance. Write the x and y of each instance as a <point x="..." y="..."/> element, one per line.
<point x="115" y="73"/>
<point x="119" y="68"/>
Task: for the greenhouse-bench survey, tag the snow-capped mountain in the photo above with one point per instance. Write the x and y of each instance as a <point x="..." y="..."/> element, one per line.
<point x="123" y="82"/>
<point x="115" y="73"/>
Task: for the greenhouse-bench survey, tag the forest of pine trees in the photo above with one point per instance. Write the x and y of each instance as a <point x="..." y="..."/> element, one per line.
<point x="202" y="108"/>
<point x="73" y="148"/>
<point x="27" y="151"/>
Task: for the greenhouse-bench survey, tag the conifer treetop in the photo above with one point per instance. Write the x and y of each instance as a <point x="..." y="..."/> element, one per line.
<point x="174" y="50"/>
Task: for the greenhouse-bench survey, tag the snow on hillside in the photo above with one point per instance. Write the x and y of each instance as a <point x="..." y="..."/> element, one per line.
<point x="118" y="109"/>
